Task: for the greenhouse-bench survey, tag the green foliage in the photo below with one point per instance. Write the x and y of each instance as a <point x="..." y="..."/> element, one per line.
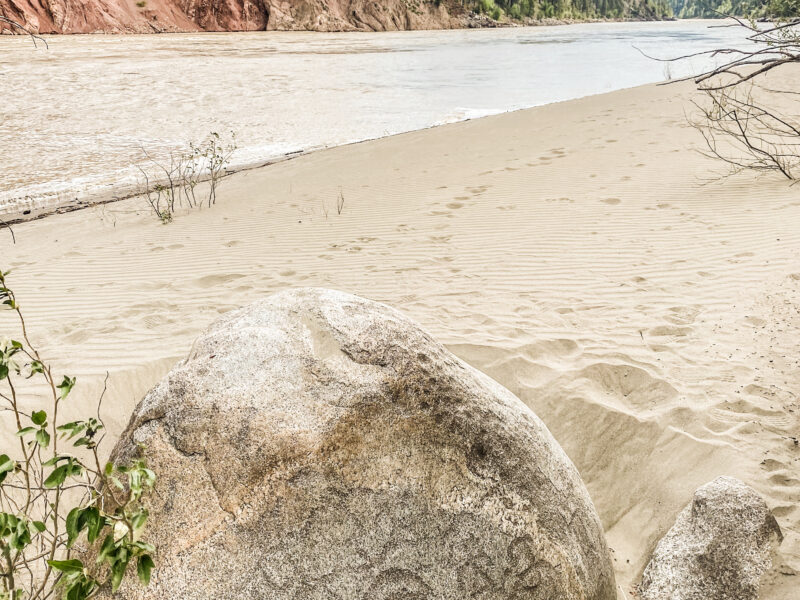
<point x="42" y="486"/>
<point x="574" y="9"/>
<point x="755" y="9"/>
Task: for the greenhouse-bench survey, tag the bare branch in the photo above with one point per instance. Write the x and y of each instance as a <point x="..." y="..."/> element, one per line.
<point x="34" y="36"/>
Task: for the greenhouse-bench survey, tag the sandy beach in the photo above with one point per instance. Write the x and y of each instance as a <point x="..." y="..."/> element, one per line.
<point x="583" y="254"/>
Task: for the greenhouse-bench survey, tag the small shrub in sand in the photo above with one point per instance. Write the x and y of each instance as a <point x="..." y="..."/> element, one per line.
<point x="171" y="183"/>
<point x="55" y="494"/>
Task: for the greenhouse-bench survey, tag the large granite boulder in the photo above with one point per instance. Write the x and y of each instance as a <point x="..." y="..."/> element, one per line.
<point x="316" y="445"/>
<point x="718" y="549"/>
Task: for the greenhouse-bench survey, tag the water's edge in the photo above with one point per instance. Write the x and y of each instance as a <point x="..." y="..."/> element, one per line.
<point x="285" y="95"/>
<point x="125" y="192"/>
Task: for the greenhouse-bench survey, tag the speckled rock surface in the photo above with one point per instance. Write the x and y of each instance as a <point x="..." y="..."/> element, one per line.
<point x="317" y="445"/>
<point x="719" y="548"/>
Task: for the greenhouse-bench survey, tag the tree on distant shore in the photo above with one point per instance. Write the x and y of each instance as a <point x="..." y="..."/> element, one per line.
<point x="573" y="9"/>
<point x="742" y="116"/>
<point x="756" y="9"/>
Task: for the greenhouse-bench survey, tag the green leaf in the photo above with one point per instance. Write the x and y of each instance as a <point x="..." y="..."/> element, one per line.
<point x="3" y="371"/>
<point x="25" y="431"/>
<point x="109" y="468"/>
<point x="95" y="521"/>
<point x="74" y="428"/>
<point x="43" y="438"/>
<point x="56" y="459"/>
<point x="6" y="466"/>
<point x="57" y="477"/>
<point x="21" y="536"/>
<point x="74" y="469"/>
<point x="106" y="548"/>
<point x="39" y="417"/>
<point x="143" y="568"/>
<point x="40" y="527"/>
<point x="66" y="385"/>
<point x="79" y="587"/>
<point x="138" y="520"/>
<point x="148" y="548"/>
<point x="75" y="591"/>
<point x="67" y="566"/>
<point x="118" y="569"/>
<point x="73" y="527"/>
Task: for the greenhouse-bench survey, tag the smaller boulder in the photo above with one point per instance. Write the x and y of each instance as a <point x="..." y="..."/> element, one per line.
<point x="718" y="549"/>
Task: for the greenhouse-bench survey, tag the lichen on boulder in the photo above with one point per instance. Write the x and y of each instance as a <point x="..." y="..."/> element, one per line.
<point x="318" y="445"/>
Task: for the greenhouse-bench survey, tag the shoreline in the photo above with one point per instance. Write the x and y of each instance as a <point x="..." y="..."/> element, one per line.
<point x="90" y="174"/>
<point x="547" y="22"/>
<point x="126" y="192"/>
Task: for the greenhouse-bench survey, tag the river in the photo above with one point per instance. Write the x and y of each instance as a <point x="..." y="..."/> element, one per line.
<point x="76" y="117"/>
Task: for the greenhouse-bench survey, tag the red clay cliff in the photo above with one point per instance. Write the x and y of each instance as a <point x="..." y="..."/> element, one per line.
<point x="148" y="16"/>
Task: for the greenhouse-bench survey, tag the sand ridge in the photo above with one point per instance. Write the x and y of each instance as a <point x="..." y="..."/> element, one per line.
<point x="576" y="252"/>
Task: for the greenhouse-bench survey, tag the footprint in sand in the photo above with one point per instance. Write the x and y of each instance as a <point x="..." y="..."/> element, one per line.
<point x="755" y="321"/>
<point x="669" y="331"/>
<point x="682" y="315"/>
<point x="214" y="280"/>
<point x="77" y="336"/>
